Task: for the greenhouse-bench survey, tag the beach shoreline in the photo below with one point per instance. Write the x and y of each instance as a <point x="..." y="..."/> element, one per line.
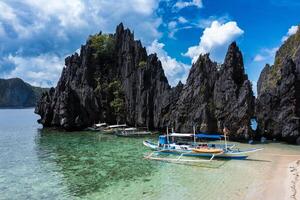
<point x="281" y="182"/>
<point x="284" y="180"/>
<point x="294" y="180"/>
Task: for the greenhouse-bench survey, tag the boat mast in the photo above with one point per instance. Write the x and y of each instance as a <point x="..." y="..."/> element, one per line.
<point x="168" y="134"/>
<point x="194" y="130"/>
<point x="225" y="137"/>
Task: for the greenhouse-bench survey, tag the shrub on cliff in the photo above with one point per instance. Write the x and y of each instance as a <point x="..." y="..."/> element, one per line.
<point x="142" y="64"/>
<point x="118" y="103"/>
<point x="103" y="45"/>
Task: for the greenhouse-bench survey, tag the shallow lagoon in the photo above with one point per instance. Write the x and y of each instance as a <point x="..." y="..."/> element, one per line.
<point x="45" y="164"/>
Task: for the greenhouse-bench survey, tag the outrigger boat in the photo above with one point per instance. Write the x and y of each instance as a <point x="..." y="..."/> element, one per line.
<point x="97" y="127"/>
<point x="113" y="128"/>
<point x="208" y="150"/>
<point x="132" y="132"/>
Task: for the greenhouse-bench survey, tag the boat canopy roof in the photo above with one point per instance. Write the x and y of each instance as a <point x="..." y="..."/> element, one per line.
<point x="100" y="124"/>
<point x="209" y="136"/>
<point x="130" y="129"/>
<point x="181" y="135"/>
<point x="117" y="126"/>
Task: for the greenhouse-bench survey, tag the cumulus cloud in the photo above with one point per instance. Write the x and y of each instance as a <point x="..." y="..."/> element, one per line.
<point x="172" y="24"/>
<point x="215" y="40"/>
<point x="259" y="58"/>
<point x="175" y="71"/>
<point x="42" y="70"/>
<point x="182" y="20"/>
<point x="9" y="17"/>
<point x="183" y="4"/>
<point x="44" y="31"/>
<point x="178" y="24"/>
<point x="68" y="13"/>
<point x="33" y="16"/>
<point x="254" y="87"/>
<point x="266" y="54"/>
<point x="293" y="30"/>
<point x="2" y="31"/>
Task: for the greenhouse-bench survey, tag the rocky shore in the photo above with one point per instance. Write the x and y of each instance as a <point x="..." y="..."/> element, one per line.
<point x="114" y="80"/>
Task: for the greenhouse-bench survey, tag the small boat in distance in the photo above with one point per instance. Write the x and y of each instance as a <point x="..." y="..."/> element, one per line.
<point x="100" y="125"/>
<point x="97" y="127"/>
<point x="132" y="132"/>
<point x="113" y="128"/>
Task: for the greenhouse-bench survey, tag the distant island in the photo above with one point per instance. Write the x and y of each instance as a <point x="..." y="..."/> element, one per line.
<point x="113" y="80"/>
<point x="15" y="93"/>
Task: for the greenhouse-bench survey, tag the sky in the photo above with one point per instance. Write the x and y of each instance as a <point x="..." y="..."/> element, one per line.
<point x="37" y="35"/>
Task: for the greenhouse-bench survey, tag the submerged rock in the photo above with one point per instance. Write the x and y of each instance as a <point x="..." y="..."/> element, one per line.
<point x="114" y="80"/>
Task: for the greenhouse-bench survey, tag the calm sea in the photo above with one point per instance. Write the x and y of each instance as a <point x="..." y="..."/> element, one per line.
<point x="45" y="164"/>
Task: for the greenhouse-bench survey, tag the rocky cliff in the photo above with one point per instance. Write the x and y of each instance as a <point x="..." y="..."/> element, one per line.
<point x="114" y="80"/>
<point x="278" y="102"/>
<point x="216" y="96"/>
<point x="15" y="93"/>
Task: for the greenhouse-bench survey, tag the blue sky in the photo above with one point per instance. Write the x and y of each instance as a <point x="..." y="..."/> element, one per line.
<point x="36" y="35"/>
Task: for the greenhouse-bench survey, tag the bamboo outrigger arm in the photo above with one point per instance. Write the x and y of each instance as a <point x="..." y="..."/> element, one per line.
<point x="151" y="157"/>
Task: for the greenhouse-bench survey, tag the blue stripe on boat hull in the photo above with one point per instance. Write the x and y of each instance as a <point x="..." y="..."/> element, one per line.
<point x="206" y="155"/>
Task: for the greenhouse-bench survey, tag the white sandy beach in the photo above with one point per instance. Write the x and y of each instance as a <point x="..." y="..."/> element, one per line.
<point x="282" y="182"/>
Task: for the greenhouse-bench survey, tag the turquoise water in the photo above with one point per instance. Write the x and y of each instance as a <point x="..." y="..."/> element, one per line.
<point x="45" y="164"/>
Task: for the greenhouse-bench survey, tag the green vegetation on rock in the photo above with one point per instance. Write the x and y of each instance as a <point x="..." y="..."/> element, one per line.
<point x="142" y="64"/>
<point x="103" y="45"/>
<point x="118" y="103"/>
<point x="287" y="50"/>
<point x="15" y="92"/>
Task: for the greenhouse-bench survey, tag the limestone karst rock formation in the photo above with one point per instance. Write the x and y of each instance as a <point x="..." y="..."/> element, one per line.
<point x="278" y="102"/>
<point x="114" y="80"/>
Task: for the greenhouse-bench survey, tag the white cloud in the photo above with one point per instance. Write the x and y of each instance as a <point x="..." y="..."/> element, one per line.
<point x="259" y="58"/>
<point x="139" y="15"/>
<point x="203" y="23"/>
<point x="175" y="71"/>
<point x="2" y="31"/>
<point x="47" y="30"/>
<point x="182" y="20"/>
<point x="183" y="4"/>
<point x="215" y="40"/>
<point x="293" y="30"/>
<point x="68" y="12"/>
<point x="42" y="70"/>
<point x="266" y="55"/>
<point x="172" y="24"/>
<point x="145" y="7"/>
<point x="86" y="16"/>
<point x="8" y="16"/>
<point x="254" y="87"/>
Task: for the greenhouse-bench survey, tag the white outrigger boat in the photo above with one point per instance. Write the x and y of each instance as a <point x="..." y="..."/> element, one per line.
<point x="113" y="128"/>
<point x="207" y="150"/>
<point x="132" y="132"/>
<point x="97" y="127"/>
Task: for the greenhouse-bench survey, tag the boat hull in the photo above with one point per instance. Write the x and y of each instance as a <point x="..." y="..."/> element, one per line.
<point x="208" y="155"/>
<point x="225" y="154"/>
